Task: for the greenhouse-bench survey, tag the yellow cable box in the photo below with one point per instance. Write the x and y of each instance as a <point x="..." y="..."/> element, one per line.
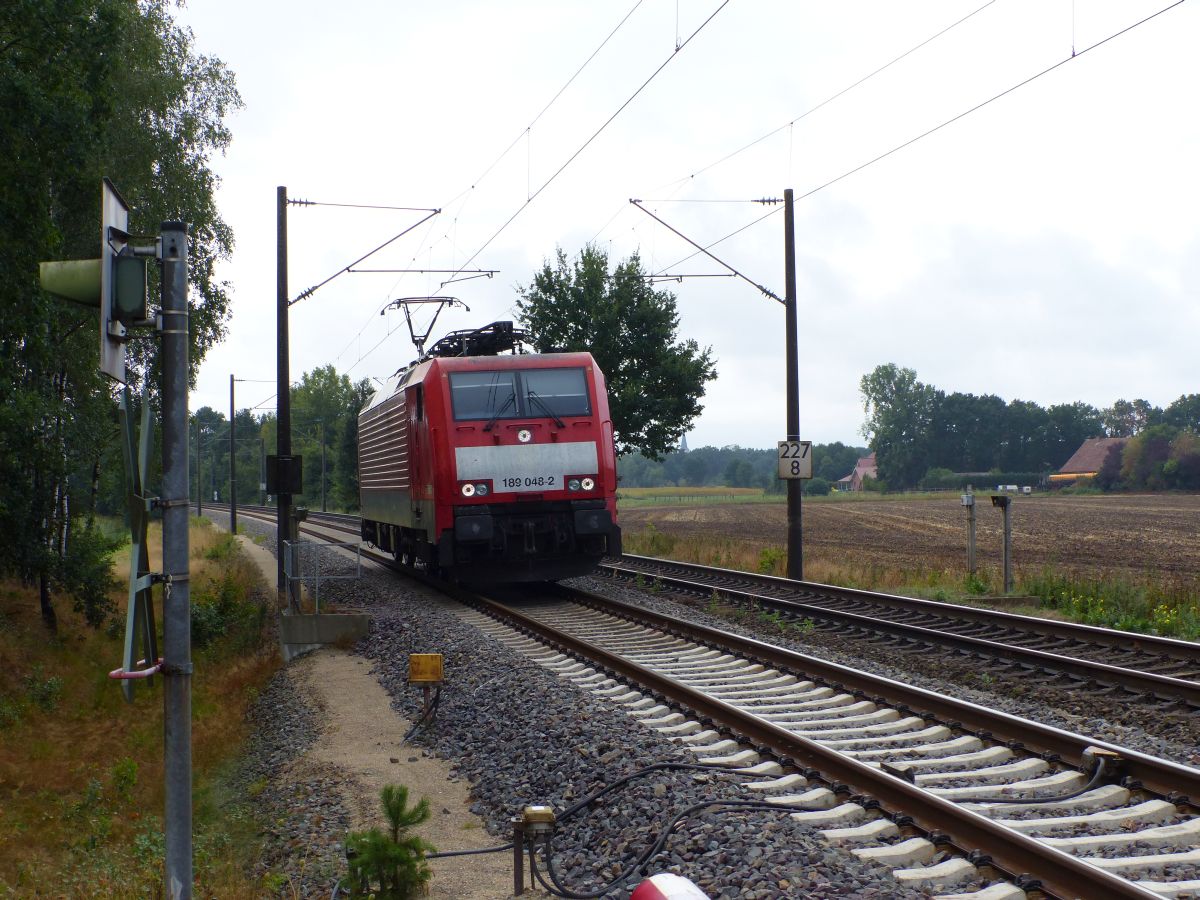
<point x="424" y="668"/>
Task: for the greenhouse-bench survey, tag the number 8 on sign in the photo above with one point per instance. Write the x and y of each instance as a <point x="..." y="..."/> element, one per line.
<point x="795" y="459"/>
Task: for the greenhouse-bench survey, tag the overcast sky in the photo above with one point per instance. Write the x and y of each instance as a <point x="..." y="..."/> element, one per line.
<point x="1044" y="247"/>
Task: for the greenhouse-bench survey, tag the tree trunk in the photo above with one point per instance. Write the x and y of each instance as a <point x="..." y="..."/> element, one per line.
<point x="49" y="617"/>
<point x="91" y="519"/>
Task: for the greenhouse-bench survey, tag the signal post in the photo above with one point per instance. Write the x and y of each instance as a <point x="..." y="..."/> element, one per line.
<point x="116" y="283"/>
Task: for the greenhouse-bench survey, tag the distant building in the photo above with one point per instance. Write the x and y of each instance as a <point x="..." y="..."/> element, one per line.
<point x="864" y="468"/>
<point x="1087" y="460"/>
<point x="683" y="444"/>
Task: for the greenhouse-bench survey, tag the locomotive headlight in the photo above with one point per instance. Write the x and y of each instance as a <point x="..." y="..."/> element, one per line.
<point x="524" y="435"/>
<point x="587" y="484"/>
<point x="468" y="490"/>
<point x="573" y="484"/>
<point x="481" y="490"/>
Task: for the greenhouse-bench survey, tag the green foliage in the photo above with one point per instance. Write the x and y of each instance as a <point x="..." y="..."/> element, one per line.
<point x="772" y="560"/>
<point x="43" y="692"/>
<point x="10" y="712"/>
<point x="976" y="584"/>
<point x="223" y="611"/>
<point x="90" y="88"/>
<point x="1114" y="603"/>
<point x="899" y="411"/>
<point x="1159" y="458"/>
<point x="915" y="428"/>
<point x="817" y="487"/>
<point x="655" y="381"/>
<point x="124" y="775"/>
<point x="390" y="865"/>
<point x="731" y="466"/>
<point x="875" y="485"/>
<point x="85" y="572"/>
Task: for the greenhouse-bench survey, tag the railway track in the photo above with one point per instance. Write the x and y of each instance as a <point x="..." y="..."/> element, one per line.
<point x="1146" y="666"/>
<point x="945" y="792"/>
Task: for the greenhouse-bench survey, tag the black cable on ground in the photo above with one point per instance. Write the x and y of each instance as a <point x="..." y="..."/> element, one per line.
<point x="427" y="716"/>
<point x="658" y="767"/>
<point x="1098" y="776"/>
<point x="447" y="853"/>
<point x="640" y="863"/>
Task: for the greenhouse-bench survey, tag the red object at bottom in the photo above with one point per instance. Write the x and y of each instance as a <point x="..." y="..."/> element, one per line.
<point x="665" y="886"/>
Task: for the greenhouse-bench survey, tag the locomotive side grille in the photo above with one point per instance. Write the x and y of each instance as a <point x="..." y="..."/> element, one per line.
<point x="383" y="447"/>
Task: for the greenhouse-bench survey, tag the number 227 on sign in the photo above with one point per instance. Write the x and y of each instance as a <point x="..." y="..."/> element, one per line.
<point x="795" y="459"/>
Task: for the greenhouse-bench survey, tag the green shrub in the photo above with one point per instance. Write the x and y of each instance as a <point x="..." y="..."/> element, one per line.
<point x="393" y="860"/>
<point x="817" y="487"/>
<point x="124" y="778"/>
<point x="771" y="560"/>
<point x="10" y="713"/>
<point x="44" y="693"/>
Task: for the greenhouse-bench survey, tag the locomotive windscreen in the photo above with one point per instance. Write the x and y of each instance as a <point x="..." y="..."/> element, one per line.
<point x="514" y="394"/>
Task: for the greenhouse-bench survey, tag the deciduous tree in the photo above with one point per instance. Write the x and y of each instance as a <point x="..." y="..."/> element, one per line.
<point x="655" y="380"/>
<point x="89" y="88"/>
<point x="899" y="412"/>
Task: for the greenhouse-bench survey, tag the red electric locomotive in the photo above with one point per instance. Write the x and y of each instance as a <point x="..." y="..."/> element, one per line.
<point x="490" y="467"/>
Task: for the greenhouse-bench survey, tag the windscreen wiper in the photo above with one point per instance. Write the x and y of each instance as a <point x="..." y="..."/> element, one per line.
<point x="491" y="423"/>
<point x="546" y="409"/>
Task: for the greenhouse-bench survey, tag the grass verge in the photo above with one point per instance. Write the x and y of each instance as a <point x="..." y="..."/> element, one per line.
<point x="1151" y="606"/>
<point x="81" y="771"/>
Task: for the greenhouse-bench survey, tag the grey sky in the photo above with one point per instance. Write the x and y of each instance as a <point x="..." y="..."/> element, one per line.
<point x="1045" y="247"/>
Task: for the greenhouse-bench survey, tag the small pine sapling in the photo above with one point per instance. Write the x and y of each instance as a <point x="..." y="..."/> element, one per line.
<point x="394" y="860"/>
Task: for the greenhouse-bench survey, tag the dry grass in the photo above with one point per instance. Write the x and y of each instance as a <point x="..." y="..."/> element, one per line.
<point x="1126" y="562"/>
<point x="642" y="493"/>
<point x="81" y="770"/>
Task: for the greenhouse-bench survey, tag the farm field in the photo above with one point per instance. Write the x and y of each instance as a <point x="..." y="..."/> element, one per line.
<point x="1130" y="537"/>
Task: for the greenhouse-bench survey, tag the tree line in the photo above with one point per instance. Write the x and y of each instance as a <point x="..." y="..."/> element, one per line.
<point x="325" y="407"/>
<point x="1161" y="457"/>
<point x="734" y="466"/>
<point x="91" y="88"/>
<point x="920" y="432"/>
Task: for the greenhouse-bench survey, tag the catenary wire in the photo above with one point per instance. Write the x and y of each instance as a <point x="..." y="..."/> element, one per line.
<point x="679" y="182"/>
<point x="882" y="156"/>
<point x="563" y="167"/>
<point x="836" y="95"/>
<point x="475" y="183"/>
<point x="594" y="135"/>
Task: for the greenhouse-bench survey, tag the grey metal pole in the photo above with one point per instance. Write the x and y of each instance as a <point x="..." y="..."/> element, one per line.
<point x="323" y="509"/>
<point x="1008" y="579"/>
<point x="177" y="626"/>
<point x="199" y="489"/>
<point x="970" y="533"/>
<point x="232" y="461"/>
<point x="795" y="533"/>
<point x="283" y="405"/>
<point x="262" y="471"/>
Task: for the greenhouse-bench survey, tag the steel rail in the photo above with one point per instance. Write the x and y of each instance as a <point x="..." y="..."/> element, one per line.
<point x="1109" y="637"/>
<point x="1170" y="779"/>
<point x="1058" y="874"/>
<point x="1146" y="682"/>
<point x="1037" y="866"/>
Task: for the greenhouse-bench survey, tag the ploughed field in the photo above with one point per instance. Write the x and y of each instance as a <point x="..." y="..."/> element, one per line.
<point x="1133" y="536"/>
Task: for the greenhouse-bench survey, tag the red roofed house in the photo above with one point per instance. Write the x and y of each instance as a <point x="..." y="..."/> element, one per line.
<point x="864" y="468"/>
<point x="1087" y="460"/>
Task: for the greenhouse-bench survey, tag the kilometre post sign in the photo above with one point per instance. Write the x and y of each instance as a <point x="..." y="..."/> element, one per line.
<point x="795" y="459"/>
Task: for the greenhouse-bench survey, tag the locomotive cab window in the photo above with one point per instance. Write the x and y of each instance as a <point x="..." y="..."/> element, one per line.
<point x="531" y="393"/>
<point x="482" y="395"/>
<point x="561" y="391"/>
